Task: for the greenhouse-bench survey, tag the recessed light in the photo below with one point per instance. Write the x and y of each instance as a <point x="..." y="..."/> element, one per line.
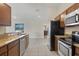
<point x="39" y="16"/>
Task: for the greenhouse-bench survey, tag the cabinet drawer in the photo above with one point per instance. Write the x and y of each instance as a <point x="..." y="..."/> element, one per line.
<point x="3" y="49"/>
<point x="12" y="44"/>
<point x="14" y="51"/>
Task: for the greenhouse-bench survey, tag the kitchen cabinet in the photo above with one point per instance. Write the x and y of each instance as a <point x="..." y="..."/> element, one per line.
<point x="57" y="18"/>
<point x="4" y="54"/>
<point x="72" y="8"/>
<point x="77" y="51"/>
<point x="5" y="14"/>
<point x="62" y="24"/>
<point x="3" y="51"/>
<point x="56" y="44"/>
<point x="61" y="18"/>
<point x="13" y="48"/>
<point x="26" y="41"/>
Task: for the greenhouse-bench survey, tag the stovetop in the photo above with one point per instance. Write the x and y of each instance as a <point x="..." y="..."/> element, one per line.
<point x="67" y="41"/>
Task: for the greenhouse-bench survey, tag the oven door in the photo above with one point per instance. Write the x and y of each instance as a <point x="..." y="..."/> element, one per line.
<point x="63" y="49"/>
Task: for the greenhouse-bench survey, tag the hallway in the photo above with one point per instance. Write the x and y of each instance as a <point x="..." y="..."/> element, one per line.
<point x="39" y="47"/>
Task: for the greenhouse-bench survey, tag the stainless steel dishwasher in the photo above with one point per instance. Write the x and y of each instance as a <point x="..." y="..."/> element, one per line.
<point x="22" y="45"/>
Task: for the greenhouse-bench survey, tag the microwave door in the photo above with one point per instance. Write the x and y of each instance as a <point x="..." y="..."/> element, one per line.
<point x="70" y="20"/>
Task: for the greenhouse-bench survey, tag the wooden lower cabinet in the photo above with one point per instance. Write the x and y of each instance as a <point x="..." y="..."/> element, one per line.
<point x="3" y="51"/>
<point x="13" y="48"/>
<point x="3" y="54"/>
<point x="26" y="41"/>
<point x="56" y="45"/>
<point x="77" y="51"/>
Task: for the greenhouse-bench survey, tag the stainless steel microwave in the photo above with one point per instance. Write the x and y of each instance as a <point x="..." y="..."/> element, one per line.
<point x="72" y="19"/>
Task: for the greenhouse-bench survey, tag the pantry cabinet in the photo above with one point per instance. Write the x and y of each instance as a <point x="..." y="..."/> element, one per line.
<point x="5" y="14"/>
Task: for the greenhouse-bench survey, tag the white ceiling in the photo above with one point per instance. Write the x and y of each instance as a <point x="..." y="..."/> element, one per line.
<point x="41" y="11"/>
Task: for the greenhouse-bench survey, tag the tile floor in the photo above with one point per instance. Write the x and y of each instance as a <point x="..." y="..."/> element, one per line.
<point x="39" y="47"/>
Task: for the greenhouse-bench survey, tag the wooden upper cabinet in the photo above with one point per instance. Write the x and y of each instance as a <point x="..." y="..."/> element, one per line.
<point x="57" y="18"/>
<point x="73" y="8"/>
<point x="62" y="24"/>
<point x="5" y="15"/>
<point x="67" y="11"/>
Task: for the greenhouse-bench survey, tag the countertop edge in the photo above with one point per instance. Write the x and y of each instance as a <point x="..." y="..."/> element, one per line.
<point x="9" y="41"/>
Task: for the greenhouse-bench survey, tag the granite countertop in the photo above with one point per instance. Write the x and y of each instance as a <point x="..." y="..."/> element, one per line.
<point x="76" y="44"/>
<point x="6" y="39"/>
<point x="63" y="36"/>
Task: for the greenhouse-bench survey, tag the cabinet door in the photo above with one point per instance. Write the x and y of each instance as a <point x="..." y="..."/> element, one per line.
<point x="56" y="45"/>
<point x="5" y="15"/>
<point x="26" y="41"/>
<point x="57" y="18"/>
<point x="13" y="48"/>
<point x="62" y="24"/>
<point x="73" y="8"/>
<point x="77" y="51"/>
<point x="3" y="51"/>
<point x="3" y="54"/>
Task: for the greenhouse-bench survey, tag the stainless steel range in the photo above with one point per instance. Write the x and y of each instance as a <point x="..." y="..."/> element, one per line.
<point x="65" y="47"/>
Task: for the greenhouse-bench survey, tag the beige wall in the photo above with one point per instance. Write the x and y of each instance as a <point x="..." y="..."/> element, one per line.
<point x="68" y="30"/>
<point x="2" y="30"/>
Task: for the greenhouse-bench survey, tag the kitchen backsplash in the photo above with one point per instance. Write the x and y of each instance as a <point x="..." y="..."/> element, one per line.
<point x="68" y="30"/>
<point x="2" y="30"/>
